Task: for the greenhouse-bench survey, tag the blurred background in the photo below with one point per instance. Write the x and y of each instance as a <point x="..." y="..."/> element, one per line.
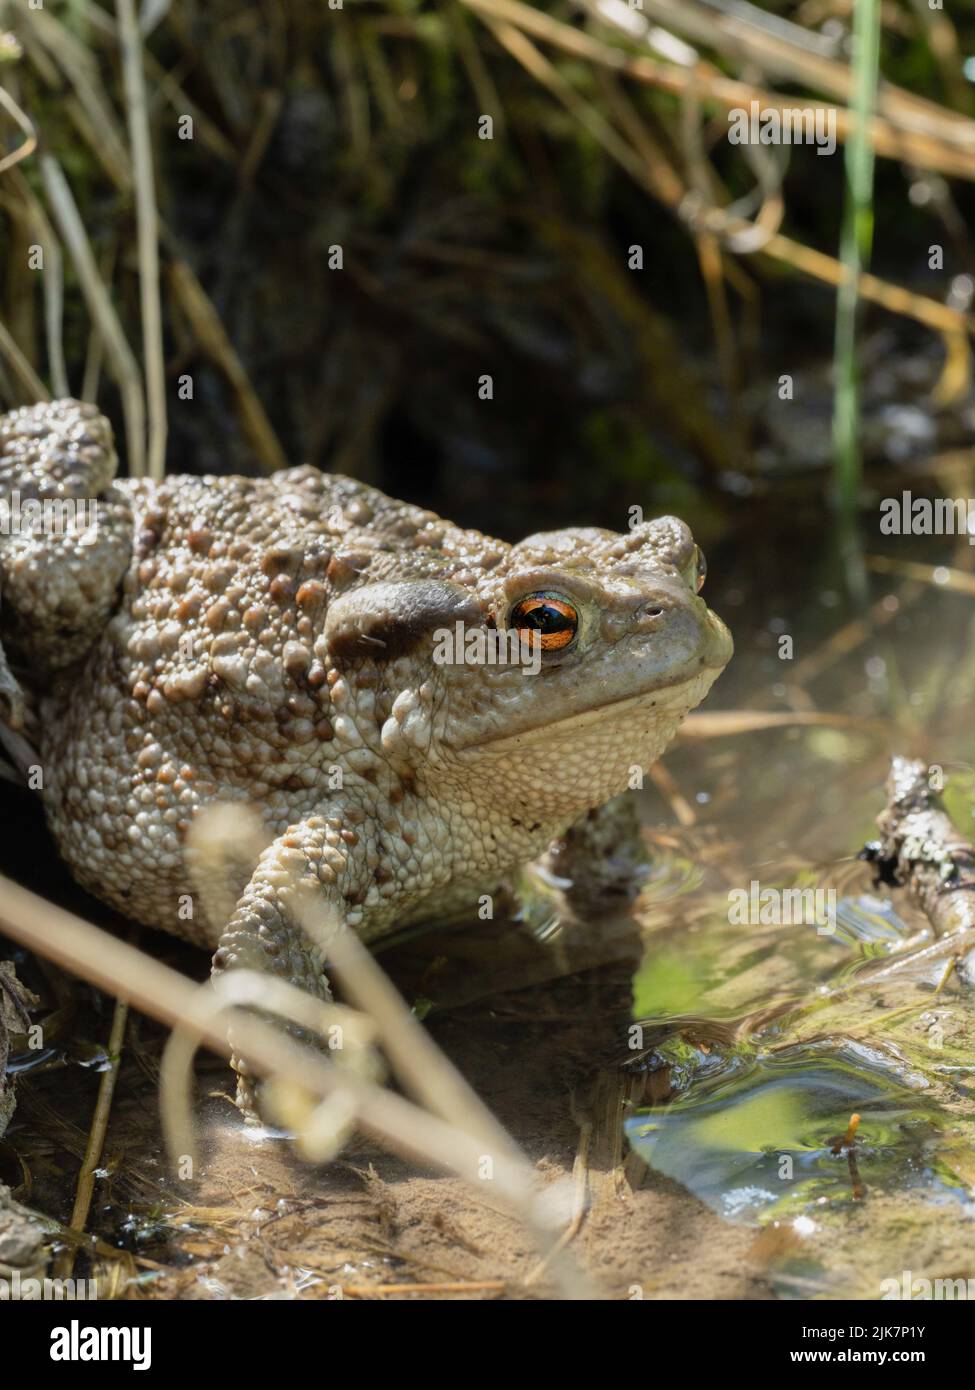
<point x="636" y="285"/>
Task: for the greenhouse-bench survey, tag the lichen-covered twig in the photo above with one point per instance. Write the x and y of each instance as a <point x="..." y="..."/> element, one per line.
<point x="921" y="849"/>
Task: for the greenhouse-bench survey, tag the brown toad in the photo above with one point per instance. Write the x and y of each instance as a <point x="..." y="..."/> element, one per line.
<point x="278" y="642"/>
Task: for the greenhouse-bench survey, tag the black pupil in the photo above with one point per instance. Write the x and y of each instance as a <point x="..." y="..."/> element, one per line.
<point x="545" y="618"/>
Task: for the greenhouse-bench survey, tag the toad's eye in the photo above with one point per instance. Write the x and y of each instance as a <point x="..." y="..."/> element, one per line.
<point x="701" y="568"/>
<point x="548" y="614"/>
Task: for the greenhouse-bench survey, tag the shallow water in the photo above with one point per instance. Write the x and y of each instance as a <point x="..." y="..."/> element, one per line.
<point x="764" y="1037"/>
<point x="815" y="1031"/>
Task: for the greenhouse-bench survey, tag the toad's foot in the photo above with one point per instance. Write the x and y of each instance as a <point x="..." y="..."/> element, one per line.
<point x="601" y="859"/>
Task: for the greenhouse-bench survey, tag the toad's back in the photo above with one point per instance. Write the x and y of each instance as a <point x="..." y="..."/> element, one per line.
<point x="211" y="680"/>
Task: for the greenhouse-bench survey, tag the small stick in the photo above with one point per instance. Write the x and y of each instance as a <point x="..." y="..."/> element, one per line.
<point x="856" y="1182"/>
<point x="369" y="1291"/>
<point x="85" y="1190"/>
<point x="848" y="1137"/>
<point x="667" y="787"/>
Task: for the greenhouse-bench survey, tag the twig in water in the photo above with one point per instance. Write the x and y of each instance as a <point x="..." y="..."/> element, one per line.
<point x="85" y="1190"/>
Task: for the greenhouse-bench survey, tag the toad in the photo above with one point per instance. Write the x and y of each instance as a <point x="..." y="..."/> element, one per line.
<point x="285" y="644"/>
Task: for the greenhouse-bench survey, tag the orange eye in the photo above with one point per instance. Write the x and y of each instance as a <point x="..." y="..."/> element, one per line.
<point x="554" y="618"/>
<point x="701" y="566"/>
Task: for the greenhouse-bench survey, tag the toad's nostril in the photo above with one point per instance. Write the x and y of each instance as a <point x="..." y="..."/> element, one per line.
<point x="647" y="617"/>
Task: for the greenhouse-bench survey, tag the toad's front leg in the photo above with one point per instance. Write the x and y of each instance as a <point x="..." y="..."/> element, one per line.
<point x="311" y="868"/>
<point x="602" y="858"/>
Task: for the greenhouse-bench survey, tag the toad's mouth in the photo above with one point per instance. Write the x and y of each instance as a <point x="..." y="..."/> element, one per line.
<point x="666" y="703"/>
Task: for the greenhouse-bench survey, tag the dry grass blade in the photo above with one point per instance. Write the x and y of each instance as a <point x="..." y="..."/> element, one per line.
<point x="243" y="989"/>
<point x="209" y="133"/>
<point x="93" y="365"/>
<point x="54" y="50"/>
<point x="745" y="37"/>
<point x="941" y="576"/>
<point x="370" y="1291"/>
<point x="478" y="72"/>
<point x="681" y="808"/>
<point x="96" y="1139"/>
<point x="146" y="222"/>
<point x="164" y="994"/>
<point x="22" y="369"/>
<point x="726" y="93"/>
<point x="511" y="21"/>
<point x="213" y="340"/>
<point x="549" y="76"/>
<point x="942" y="40"/>
<point x="52" y="282"/>
<point x="27" y="126"/>
<point x="99" y="301"/>
<point x="422" y="1067"/>
<point x="721" y="723"/>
